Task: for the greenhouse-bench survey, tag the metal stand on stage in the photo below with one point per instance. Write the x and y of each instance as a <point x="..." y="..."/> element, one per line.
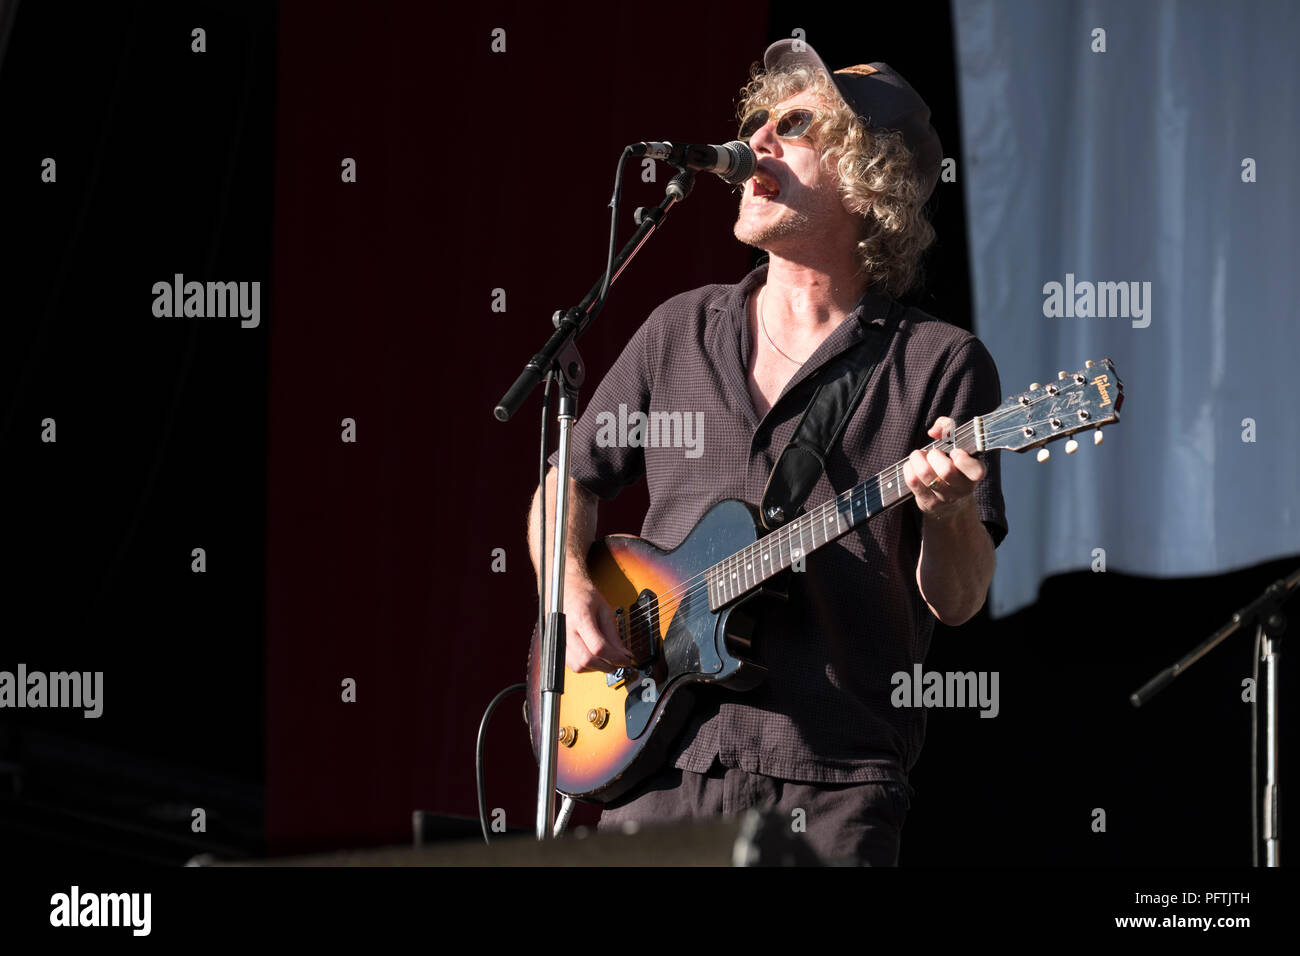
<point x="559" y="360"/>
<point x="1265" y="612"/>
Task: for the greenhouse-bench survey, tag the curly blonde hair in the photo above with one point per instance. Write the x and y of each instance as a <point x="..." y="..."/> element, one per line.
<point x="875" y="169"/>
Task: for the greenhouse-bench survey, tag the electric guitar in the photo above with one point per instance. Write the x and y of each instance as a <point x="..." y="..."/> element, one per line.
<point x="689" y="616"/>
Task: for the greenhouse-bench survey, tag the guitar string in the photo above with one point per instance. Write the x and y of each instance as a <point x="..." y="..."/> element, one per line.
<point x="781" y="537"/>
<point x="670" y="600"/>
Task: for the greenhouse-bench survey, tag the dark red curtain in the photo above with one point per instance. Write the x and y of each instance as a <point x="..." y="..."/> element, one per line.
<point x="475" y="171"/>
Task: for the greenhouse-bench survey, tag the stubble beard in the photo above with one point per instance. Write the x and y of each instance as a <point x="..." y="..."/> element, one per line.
<point x="793" y="224"/>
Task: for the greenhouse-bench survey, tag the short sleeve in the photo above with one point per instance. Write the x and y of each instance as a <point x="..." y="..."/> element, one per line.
<point x="969" y="386"/>
<point x="597" y="459"/>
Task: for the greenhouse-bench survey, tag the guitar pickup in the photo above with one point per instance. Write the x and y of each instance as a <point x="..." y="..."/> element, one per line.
<point x="638" y="632"/>
<point x="642" y="637"/>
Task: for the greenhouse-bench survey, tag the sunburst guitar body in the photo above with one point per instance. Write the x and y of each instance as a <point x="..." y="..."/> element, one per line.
<point x="615" y="728"/>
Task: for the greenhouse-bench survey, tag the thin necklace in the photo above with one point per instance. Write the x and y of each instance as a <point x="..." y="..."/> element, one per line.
<point x="763" y="326"/>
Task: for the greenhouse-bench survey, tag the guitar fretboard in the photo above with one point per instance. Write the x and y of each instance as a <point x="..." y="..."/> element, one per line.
<point x="749" y="567"/>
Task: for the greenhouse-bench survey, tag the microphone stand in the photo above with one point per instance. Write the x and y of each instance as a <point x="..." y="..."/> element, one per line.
<point x="1265" y="612"/>
<point x="559" y="358"/>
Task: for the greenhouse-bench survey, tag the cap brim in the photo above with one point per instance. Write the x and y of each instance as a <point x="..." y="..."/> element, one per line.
<point x="790" y="54"/>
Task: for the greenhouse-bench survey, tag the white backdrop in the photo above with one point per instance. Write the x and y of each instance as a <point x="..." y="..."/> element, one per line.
<point x="1127" y="166"/>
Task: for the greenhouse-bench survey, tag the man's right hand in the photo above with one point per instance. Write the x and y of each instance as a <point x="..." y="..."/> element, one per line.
<point x="591" y="638"/>
<point x="591" y="642"/>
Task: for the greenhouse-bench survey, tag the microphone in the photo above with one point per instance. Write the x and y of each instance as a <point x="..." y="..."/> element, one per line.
<point x="733" y="161"/>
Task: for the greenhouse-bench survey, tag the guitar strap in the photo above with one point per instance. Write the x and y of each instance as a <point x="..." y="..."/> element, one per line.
<point x="843" y="382"/>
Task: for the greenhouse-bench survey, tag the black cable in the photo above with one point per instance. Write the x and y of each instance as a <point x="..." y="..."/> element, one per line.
<point x="613" y="224"/>
<point x="478" y="755"/>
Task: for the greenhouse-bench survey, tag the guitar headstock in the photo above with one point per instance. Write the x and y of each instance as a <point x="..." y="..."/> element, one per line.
<point x="1088" y="398"/>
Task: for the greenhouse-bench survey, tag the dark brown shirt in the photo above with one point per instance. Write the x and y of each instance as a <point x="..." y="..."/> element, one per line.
<point x="855" y="616"/>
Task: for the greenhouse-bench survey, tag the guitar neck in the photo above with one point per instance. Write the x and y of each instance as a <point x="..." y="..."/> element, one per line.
<point x="754" y="564"/>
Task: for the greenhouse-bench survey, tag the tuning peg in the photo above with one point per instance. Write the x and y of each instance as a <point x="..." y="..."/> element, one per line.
<point x="1096" y="437"/>
<point x="1061" y="375"/>
<point x="1034" y="386"/>
<point x="1071" y="447"/>
<point x="1044" y="454"/>
<point x="1089" y="364"/>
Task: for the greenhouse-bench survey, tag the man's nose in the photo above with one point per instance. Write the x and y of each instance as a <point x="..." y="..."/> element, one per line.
<point x="765" y="139"/>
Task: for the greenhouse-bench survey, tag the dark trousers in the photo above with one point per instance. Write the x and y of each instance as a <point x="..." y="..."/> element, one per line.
<point x="857" y="822"/>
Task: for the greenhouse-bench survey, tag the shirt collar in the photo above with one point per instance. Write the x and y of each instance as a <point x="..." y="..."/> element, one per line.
<point x="872" y="310"/>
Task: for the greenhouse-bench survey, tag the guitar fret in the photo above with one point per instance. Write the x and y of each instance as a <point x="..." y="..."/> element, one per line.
<point x="844" y="509"/>
<point x="872" y="500"/>
<point x="754" y="564"/>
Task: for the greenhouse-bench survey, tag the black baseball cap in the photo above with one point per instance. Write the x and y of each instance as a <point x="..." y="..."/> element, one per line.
<point x="880" y="97"/>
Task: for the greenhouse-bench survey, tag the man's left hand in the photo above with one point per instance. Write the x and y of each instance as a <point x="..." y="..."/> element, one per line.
<point x="943" y="485"/>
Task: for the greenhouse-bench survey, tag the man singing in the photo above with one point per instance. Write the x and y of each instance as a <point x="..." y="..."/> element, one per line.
<point x="846" y="161"/>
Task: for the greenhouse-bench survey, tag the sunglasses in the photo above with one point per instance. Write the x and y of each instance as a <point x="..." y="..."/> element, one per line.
<point x="790" y="123"/>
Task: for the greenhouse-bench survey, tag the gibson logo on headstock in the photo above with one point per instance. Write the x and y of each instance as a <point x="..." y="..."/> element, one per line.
<point x="1101" y="381"/>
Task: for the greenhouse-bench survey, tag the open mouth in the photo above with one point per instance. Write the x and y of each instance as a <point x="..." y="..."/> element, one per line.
<point x="765" y="187"/>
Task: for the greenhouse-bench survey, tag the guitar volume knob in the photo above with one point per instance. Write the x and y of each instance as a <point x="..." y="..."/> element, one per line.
<point x="568" y="736"/>
<point x="599" y="717"/>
